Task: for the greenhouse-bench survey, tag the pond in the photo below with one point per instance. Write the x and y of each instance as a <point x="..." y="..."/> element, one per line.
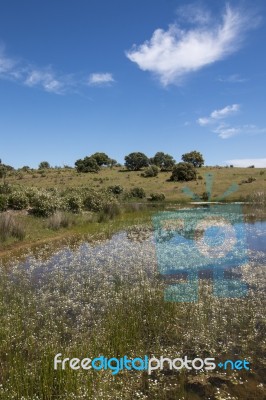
<point x="108" y="298"/>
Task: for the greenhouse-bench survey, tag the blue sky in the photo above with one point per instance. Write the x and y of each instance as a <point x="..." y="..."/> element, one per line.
<point x="118" y="76"/>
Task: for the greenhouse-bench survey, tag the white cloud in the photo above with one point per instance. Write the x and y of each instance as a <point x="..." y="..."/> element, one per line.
<point x="226" y="131"/>
<point x="219" y="114"/>
<point x="246" y="162"/>
<point x="46" y="78"/>
<point x="193" y="14"/>
<point x="234" y="78"/>
<point x="100" y="79"/>
<point x="172" y="54"/>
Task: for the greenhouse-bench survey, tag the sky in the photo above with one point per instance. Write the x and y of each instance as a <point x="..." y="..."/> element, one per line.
<point x="81" y="76"/>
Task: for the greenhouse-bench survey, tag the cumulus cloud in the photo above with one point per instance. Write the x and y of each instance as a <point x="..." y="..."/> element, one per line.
<point x="100" y="79"/>
<point x="219" y="114"/>
<point x="172" y="54"/>
<point x="246" y="162"/>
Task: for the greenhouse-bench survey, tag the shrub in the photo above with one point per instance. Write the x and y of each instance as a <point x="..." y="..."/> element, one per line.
<point x="3" y="202"/>
<point x="150" y="171"/>
<point x="74" y="203"/>
<point x="116" y="189"/>
<point x="157" y="197"/>
<point x="183" y="171"/>
<point x="137" y="192"/>
<point x="97" y="200"/>
<point x="45" y="204"/>
<point x="5" y="188"/>
<point x="9" y="226"/>
<point x="18" y="200"/>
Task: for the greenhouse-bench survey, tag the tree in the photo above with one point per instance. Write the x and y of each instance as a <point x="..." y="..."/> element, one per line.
<point x="194" y="157"/>
<point x="136" y="161"/>
<point x="164" y="161"/>
<point x="183" y="171"/>
<point x="44" y="165"/>
<point x="101" y="159"/>
<point x="88" y="164"/>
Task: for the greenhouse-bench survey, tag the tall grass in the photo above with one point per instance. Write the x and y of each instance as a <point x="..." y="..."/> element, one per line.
<point x="10" y="227"/>
<point x="109" y="300"/>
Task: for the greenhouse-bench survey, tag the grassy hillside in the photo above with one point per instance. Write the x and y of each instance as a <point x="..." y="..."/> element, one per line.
<point x="223" y="178"/>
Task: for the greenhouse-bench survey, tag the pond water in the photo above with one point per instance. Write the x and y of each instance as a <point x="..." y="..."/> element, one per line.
<point x="127" y="251"/>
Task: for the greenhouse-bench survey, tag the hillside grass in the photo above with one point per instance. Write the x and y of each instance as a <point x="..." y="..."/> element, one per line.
<point x="223" y="179"/>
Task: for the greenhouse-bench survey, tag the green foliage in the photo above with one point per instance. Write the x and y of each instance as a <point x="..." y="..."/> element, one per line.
<point x="183" y="171"/>
<point x="45" y="204"/>
<point x="137" y="192"/>
<point x="88" y="164"/>
<point x="3" y="202"/>
<point x="164" y="161"/>
<point x="136" y="161"/>
<point x="5" y="188"/>
<point x="44" y="165"/>
<point x="18" y="200"/>
<point x="101" y="159"/>
<point x="116" y="189"/>
<point x="73" y="202"/>
<point x="194" y="157"/>
<point x="150" y="171"/>
<point x="97" y="200"/>
<point x="157" y="197"/>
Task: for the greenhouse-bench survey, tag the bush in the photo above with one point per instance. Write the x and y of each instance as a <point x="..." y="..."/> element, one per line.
<point x="150" y="171"/>
<point x="157" y="197"/>
<point x="116" y="189"/>
<point x="74" y="203"/>
<point x="5" y="188"/>
<point x="183" y="171"/>
<point x="45" y="204"/>
<point x="137" y="192"/>
<point x="18" y="200"/>
<point x="97" y="200"/>
<point x="3" y="202"/>
<point x="10" y="227"/>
